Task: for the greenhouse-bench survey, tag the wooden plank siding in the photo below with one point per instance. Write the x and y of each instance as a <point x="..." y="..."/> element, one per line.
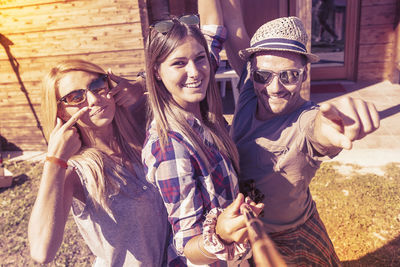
<point x="47" y="17"/>
<point x="109" y="33"/>
<point x="377" y="41"/>
<point x="43" y="32"/>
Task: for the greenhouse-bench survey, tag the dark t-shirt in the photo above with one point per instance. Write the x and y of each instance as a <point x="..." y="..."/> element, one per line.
<point x="278" y="156"/>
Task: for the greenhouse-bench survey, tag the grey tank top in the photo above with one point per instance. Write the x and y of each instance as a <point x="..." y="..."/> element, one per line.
<point x="136" y="234"/>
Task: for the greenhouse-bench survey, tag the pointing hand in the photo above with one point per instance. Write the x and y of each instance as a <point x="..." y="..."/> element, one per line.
<point x="340" y="123"/>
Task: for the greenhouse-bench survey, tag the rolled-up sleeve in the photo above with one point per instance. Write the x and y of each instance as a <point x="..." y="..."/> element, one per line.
<point x="172" y="171"/>
<point x="215" y="36"/>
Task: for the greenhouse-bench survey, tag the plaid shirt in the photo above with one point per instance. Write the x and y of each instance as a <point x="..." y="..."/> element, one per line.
<point x="189" y="191"/>
<point x="215" y="36"/>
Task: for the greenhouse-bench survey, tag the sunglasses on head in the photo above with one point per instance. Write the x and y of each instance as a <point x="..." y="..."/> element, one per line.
<point x="286" y="77"/>
<point x="98" y="86"/>
<point x="164" y="26"/>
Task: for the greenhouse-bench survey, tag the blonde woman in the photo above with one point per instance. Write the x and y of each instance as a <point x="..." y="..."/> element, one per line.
<point x="188" y="153"/>
<point x="93" y="168"/>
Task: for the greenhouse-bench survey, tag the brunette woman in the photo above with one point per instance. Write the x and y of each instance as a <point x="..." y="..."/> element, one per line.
<point x="188" y="153"/>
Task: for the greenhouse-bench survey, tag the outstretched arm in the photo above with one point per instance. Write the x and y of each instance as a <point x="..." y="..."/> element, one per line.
<point x="238" y="37"/>
<point x="340" y="123"/>
<point x="230" y="227"/>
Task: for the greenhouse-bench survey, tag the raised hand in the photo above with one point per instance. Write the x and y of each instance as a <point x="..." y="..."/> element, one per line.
<point x="340" y="123"/>
<point x="64" y="139"/>
<point x="256" y="208"/>
<point x="125" y="93"/>
<point x="231" y="224"/>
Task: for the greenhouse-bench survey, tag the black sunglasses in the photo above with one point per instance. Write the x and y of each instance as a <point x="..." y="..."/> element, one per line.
<point x="98" y="86"/>
<point x="286" y="77"/>
<point x="164" y="26"/>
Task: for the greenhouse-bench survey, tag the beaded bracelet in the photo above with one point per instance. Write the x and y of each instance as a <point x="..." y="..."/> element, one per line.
<point x="57" y="161"/>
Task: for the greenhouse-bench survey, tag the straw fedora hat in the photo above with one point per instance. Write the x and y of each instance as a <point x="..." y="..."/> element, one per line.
<point x="282" y="34"/>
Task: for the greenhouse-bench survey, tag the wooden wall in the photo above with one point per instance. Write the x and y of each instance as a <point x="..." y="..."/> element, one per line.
<point x="43" y="32"/>
<point x="109" y="33"/>
<point x="378" y="41"/>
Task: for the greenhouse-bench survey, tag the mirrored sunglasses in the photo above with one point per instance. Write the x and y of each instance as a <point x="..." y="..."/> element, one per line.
<point x="98" y="86"/>
<point x="286" y="77"/>
<point x="164" y="26"/>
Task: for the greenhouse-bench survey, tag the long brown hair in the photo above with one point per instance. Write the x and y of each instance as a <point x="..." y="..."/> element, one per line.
<point x="167" y="114"/>
<point x="128" y="137"/>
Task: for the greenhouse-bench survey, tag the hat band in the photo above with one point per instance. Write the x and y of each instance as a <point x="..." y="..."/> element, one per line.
<point x="280" y="43"/>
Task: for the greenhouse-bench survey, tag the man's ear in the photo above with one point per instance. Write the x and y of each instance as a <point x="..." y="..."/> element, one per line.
<point x="249" y="67"/>
<point x="305" y="73"/>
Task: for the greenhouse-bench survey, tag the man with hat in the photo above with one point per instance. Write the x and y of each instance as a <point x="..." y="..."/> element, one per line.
<point x="282" y="138"/>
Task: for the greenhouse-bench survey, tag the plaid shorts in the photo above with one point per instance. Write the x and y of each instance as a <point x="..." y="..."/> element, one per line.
<point x="306" y="245"/>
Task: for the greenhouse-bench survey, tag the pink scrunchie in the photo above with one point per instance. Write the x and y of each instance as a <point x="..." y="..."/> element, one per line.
<point x="213" y="244"/>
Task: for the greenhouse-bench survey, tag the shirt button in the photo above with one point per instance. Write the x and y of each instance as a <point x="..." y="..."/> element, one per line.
<point x="144" y="187"/>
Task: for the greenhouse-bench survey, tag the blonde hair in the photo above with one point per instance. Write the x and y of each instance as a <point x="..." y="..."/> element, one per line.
<point x="167" y="114"/>
<point x="128" y="137"/>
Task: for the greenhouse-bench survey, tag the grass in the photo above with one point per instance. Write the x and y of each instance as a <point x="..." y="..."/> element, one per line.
<point x="361" y="213"/>
<point x="15" y="208"/>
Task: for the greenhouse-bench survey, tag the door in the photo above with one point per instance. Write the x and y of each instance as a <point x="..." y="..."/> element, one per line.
<point x="334" y="38"/>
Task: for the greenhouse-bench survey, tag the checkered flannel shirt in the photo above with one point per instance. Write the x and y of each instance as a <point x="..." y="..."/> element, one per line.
<point x="215" y="36"/>
<point x="189" y="191"/>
